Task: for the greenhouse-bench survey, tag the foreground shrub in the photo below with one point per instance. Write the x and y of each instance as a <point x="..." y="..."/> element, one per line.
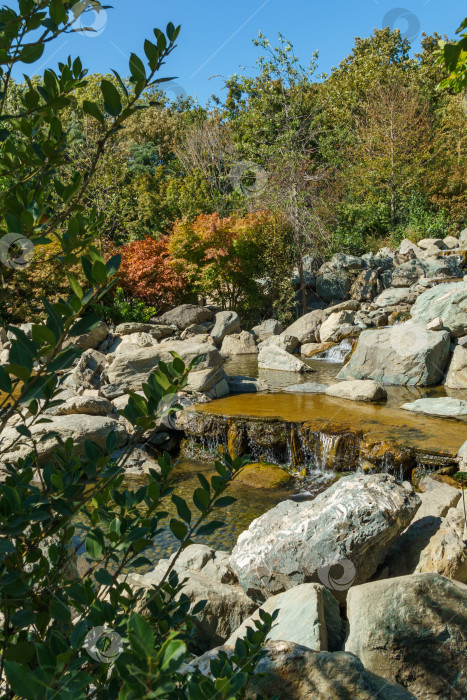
<point x="52" y="619"/>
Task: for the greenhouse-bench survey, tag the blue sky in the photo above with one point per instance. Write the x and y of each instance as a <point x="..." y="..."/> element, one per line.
<point x="216" y="36"/>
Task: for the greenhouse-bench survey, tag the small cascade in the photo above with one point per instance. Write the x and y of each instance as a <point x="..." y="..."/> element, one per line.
<point x="326" y="451"/>
<point x="337" y="354"/>
<point x="320" y="449"/>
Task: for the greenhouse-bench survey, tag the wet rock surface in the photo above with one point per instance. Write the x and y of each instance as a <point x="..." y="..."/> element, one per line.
<point x="356" y="520"/>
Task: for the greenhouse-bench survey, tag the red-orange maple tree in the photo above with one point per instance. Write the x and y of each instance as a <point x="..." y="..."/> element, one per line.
<point x="146" y="273"/>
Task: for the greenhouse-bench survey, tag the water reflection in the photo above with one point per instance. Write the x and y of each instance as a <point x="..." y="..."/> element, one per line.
<point x="250" y="504"/>
<point x="326" y="373"/>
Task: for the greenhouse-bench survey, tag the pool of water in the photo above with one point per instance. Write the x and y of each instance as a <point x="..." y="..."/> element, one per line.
<point x="250" y="504"/>
<point x="326" y="373"/>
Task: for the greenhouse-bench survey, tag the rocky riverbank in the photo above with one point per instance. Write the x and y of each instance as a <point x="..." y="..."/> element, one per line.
<point x="368" y="579"/>
<point x="370" y="576"/>
<point x="402" y="317"/>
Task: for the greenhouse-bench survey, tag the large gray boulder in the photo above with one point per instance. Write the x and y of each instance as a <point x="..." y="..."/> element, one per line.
<point x="433" y="542"/>
<point x="305" y="328"/>
<point x="410" y="272"/>
<point x="239" y="344"/>
<point x="276" y="358"/>
<point x="78" y="427"/>
<point x="334" y="285"/>
<point x="427" y="243"/>
<point x="291" y="671"/>
<point x="406" y="251"/>
<point x="447" y="301"/>
<point x="270" y="326"/>
<point x="187" y="315"/>
<point x="412" y="630"/>
<point x="332" y="330"/>
<point x="89" y="370"/>
<point x="88" y="405"/>
<point x="394" y="297"/>
<point x="287" y="342"/>
<point x="451" y="242"/>
<point x="156" y="330"/>
<point x="226" y="322"/>
<point x="407" y="354"/>
<point x="308" y="615"/>
<point x="366" y="286"/>
<point x="132" y="365"/>
<point x="456" y="377"/>
<point x="344" y="261"/>
<point x="352" y="524"/>
<point x="92" y="340"/>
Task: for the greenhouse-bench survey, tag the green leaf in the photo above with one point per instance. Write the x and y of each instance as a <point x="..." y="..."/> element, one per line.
<point x="179" y="529"/>
<point x="93" y="110"/>
<point x="451" y="56"/>
<point x="173" y="654"/>
<point x="32" y="53"/>
<point x="224" y="502"/>
<point x="103" y="577"/>
<point x="42" y="334"/>
<point x="75" y="285"/>
<point x="113" y="265"/>
<point x="64" y="359"/>
<point x="201" y="499"/>
<point x="182" y="508"/>
<point x="5" y="381"/>
<point x="99" y="272"/>
<point x="209" y="528"/>
<point x="59" y="611"/>
<point x="141" y="636"/>
<point x="84" y="325"/>
<point x="23" y="618"/>
<point x="137" y="69"/>
<point x="93" y="545"/>
<point x="24" y="681"/>
<point x="112" y="101"/>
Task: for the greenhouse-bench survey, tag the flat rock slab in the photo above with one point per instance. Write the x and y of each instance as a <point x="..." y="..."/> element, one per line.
<point x="444" y="406"/>
<point x="306" y="388"/>
<point x="358" y="390"/>
<point x="351" y="525"/>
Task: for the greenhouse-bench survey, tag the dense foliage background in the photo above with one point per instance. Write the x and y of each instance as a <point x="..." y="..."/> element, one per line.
<point x="288" y="162"/>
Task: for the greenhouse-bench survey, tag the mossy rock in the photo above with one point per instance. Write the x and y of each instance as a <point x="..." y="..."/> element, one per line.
<point x="264" y="476"/>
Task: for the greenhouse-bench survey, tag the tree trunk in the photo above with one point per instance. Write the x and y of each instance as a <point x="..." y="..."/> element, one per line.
<point x="302" y="286"/>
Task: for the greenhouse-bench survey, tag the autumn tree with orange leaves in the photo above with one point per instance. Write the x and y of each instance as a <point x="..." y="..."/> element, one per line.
<point x="147" y="273"/>
<point x="235" y="262"/>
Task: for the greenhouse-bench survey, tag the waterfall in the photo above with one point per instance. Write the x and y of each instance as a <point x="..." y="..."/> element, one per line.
<point x="326" y="451"/>
<point x="337" y="354"/>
